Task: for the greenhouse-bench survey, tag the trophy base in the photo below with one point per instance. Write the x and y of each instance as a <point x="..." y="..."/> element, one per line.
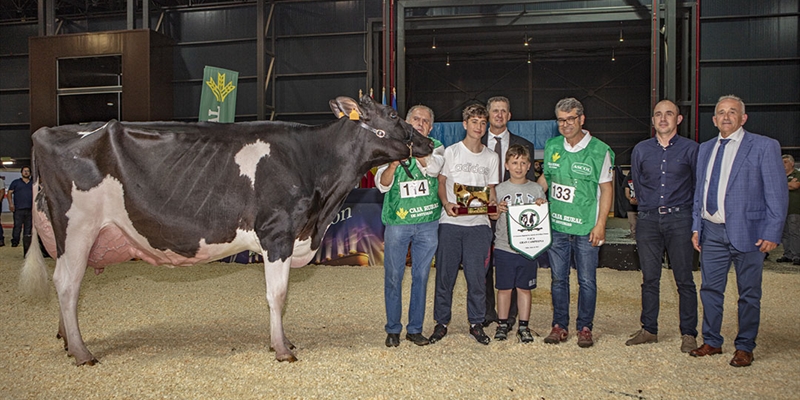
<point x="476" y="210"/>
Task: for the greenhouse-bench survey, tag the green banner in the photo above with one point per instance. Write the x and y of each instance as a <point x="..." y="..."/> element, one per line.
<point x="218" y="99"/>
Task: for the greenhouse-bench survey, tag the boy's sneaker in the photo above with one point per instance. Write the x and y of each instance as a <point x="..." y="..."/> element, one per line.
<point x="476" y="330"/>
<point x="438" y="333"/>
<point x="502" y="332"/>
<point x="585" y="338"/>
<point x="524" y="335"/>
<point x="557" y="335"/>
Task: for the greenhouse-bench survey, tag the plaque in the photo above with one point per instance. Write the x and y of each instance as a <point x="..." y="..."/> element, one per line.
<point x="529" y="229"/>
<point x="473" y="200"/>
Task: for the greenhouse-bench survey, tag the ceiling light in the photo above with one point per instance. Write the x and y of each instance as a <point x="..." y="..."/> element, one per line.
<point x="7" y="160"/>
<point x="527" y="40"/>
<point x="620" y="32"/>
<point x="433" y="46"/>
<point x="448" y="59"/>
<point x="529" y="58"/>
<point x="612" y="55"/>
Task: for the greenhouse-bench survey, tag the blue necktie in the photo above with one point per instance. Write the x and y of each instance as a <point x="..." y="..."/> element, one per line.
<point x="713" y="183"/>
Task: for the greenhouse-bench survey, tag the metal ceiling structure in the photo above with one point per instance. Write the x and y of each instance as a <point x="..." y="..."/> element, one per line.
<point x="512" y="29"/>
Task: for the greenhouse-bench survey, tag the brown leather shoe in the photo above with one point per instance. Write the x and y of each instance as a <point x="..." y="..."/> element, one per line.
<point x="742" y="358"/>
<point x="705" y="350"/>
<point x="557" y="335"/>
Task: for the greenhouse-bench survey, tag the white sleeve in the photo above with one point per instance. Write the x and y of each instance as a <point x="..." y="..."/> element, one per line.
<point x="383" y="189"/>
<point x="447" y="156"/>
<point x="493" y="166"/>
<point x="435" y="162"/>
<point x="606" y="175"/>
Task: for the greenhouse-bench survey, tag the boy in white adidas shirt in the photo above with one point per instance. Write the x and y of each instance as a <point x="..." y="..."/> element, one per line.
<point x="464" y="239"/>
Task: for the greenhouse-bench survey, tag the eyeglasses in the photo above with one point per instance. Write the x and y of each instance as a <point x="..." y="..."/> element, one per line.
<point x="568" y="120"/>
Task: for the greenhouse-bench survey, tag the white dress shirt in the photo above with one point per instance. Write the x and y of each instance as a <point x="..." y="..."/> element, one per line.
<point x="724" y="174"/>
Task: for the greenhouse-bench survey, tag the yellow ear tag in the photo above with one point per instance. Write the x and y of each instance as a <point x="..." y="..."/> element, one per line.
<point x="354" y="115"/>
<point x="341" y="114"/>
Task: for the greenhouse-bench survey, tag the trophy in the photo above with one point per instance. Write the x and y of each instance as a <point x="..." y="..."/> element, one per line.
<point x="473" y="200"/>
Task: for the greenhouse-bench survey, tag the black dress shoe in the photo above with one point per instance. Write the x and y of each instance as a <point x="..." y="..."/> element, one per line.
<point x="783" y="259"/>
<point x="393" y="340"/>
<point x="417" y="339"/>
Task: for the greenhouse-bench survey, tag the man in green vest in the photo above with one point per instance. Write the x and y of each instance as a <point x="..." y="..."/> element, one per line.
<point x="577" y="173"/>
<point x="411" y="211"/>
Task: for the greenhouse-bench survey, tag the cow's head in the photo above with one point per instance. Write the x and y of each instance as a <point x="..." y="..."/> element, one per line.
<point x="399" y="138"/>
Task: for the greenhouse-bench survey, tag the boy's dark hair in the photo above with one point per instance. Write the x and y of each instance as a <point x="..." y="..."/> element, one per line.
<point x="517" y="150"/>
<point x="475" y="110"/>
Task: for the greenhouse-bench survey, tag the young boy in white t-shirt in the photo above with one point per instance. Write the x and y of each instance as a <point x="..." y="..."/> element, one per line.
<point x="464" y="239"/>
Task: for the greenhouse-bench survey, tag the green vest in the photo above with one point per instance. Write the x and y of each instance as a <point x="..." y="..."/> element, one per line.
<point x="411" y="200"/>
<point x="574" y="179"/>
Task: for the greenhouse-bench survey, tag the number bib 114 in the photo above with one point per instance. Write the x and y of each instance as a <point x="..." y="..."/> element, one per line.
<point x="411" y="189"/>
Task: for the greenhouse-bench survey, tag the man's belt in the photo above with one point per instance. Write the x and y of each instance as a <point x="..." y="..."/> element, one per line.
<point x="669" y="210"/>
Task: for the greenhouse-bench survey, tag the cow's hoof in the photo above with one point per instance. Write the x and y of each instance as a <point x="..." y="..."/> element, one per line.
<point x="90" y="363"/>
<point x="288" y="357"/>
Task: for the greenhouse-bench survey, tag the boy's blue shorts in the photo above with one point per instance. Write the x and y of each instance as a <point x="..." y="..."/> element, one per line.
<point x="514" y="271"/>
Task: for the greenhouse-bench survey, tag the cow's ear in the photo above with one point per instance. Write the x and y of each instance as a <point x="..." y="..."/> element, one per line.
<point x="344" y="106"/>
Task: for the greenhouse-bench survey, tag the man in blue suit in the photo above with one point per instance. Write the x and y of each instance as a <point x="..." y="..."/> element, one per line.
<point x="739" y="209"/>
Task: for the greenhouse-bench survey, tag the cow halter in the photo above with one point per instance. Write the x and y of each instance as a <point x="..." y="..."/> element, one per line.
<point x="378" y="132"/>
<point x="382" y="134"/>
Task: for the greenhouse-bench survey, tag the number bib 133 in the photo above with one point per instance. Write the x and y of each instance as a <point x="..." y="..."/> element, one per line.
<point x="562" y="192"/>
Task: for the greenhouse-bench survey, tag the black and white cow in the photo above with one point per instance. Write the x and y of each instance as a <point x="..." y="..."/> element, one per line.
<point x="185" y="193"/>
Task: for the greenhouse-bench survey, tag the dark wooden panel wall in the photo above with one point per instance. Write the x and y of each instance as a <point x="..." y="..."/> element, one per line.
<point x="146" y="72"/>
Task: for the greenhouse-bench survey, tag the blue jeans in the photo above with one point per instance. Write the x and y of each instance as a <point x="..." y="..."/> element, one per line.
<point x="22" y="224"/>
<point x="565" y="247"/>
<point x="673" y="233"/>
<point x="424" y="239"/>
<point x="715" y="261"/>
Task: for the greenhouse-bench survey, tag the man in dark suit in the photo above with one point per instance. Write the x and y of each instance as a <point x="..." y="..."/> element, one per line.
<point x="739" y="209"/>
<point x="500" y="139"/>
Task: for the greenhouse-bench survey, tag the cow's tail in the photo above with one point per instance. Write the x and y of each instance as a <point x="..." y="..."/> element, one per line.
<point x="33" y="280"/>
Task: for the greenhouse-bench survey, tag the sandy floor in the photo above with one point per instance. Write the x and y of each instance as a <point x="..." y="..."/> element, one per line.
<point x="202" y="332"/>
